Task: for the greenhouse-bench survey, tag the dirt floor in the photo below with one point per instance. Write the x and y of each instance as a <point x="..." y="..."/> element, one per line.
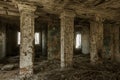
<point x="50" y="70"/>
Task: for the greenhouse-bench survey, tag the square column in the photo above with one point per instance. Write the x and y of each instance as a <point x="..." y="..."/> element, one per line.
<point x="53" y="39"/>
<point x="116" y="43"/>
<point x="111" y="42"/>
<point x="2" y="40"/>
<point x="96" y="40"/>
<point x="114" y="50"/>
<point x="67" y="38"/>
<point x="85" y="40"/>
<point x="27" y="39"/>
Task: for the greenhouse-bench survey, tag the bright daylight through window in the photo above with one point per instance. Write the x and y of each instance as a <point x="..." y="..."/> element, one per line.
<point x="37" y="38"/>
<point x="78" y="41"/>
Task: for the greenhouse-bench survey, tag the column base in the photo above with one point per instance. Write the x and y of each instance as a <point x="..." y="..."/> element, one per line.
<point x="97" y="62"/>
<point x="66" y="66"/>
<point x="26" y="77"/>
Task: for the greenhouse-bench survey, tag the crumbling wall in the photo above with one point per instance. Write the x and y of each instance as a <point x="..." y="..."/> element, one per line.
<point x="54" y="40"/>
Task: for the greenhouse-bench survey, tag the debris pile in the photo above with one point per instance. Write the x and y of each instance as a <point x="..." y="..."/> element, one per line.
<point x="82" y="70"/>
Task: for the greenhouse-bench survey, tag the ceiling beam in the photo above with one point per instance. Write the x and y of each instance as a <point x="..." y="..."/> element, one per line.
<point x="7" y="4"/>
<point x="108" y="14"/>
<point x="8" y="12"/>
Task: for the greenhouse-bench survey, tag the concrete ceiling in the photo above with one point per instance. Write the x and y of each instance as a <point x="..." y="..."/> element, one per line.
<point x="108" y="9"/>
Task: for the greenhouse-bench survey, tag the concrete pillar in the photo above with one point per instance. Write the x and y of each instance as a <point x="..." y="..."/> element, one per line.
<point x="116" y="43"/>
<point x="96" y="40"/>
<point x="44" y="40"/>
<point x="2" y="41"/>
<point x="114" y="50"/>
<point x="100" y="38"/>
<point x="53" y="39"/>
<point x="27" y="39"/>
<point x="85" y="40"/>
<point x="67" y="38"/>
<point x="112" y="42"/>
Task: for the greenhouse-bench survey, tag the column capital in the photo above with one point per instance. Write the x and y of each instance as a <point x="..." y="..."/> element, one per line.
<point x="67" y="13"/>
<point x="26" y="8"/>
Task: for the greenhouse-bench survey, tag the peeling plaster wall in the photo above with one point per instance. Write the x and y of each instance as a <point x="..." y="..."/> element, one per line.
<point x="54" y="40"/>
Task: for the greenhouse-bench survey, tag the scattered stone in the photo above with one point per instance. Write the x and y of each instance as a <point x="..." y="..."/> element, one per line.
<point x="82" y="70"/>
<point x="9" y="67"/>
<point x="1" y="65"/>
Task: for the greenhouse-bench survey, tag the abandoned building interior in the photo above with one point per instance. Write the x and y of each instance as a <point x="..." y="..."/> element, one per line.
<point x="59" y="40"/>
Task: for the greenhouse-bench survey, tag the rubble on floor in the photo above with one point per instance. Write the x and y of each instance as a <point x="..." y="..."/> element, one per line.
<point x="82" y="70"/>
